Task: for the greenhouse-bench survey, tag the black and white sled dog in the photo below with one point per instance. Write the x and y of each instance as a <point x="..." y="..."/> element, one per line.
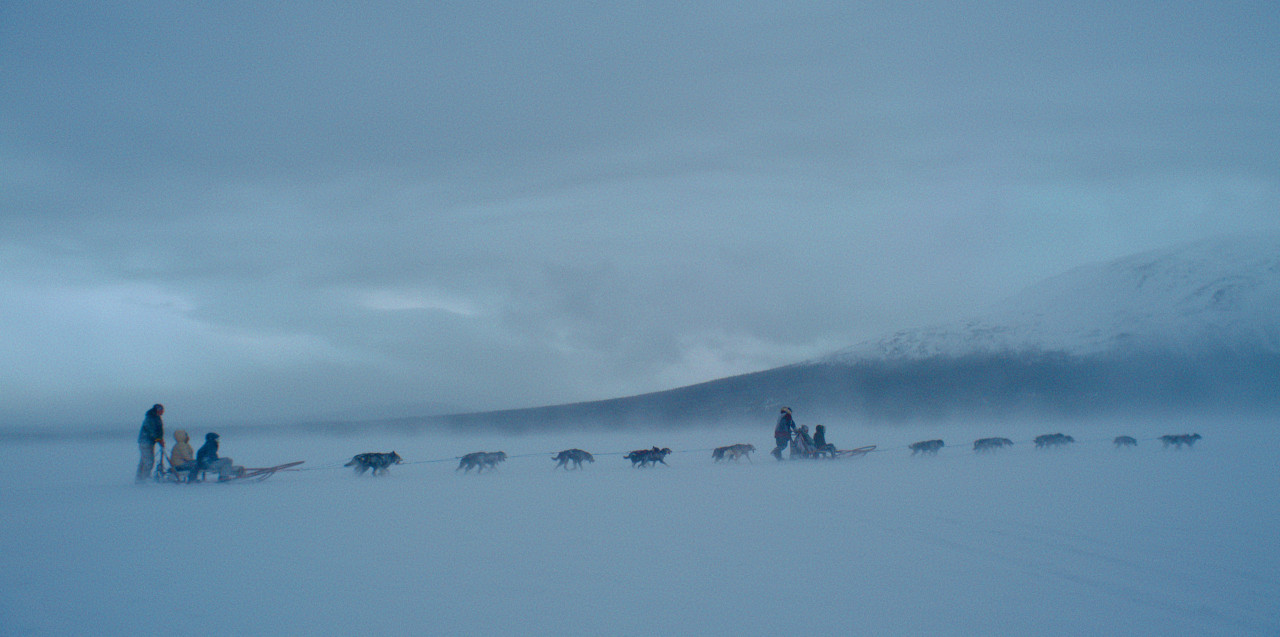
<point x="1125" y="441"/>
<point x="926" y="446"/>
<point x="1179" y="440"/>
<point x="379" y="462"/>
<point x="733" y="452"/>
<point x="989" y="444"/>
<point x="576" y="456"/>
<point x="481" y="460"/>
<point x="646" y="457"/>
<point x="1053" y="440"/>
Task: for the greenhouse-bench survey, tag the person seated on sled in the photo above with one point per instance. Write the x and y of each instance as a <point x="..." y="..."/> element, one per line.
<point x="804" y="443"/>
<point x="183" y="458"/>
<point x="207" y="459"/>
<point x="820" y="441"/>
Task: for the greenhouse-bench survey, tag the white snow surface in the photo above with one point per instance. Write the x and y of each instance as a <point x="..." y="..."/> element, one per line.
<point x="1213" y="294"/>
<point x="1087" y="540"/>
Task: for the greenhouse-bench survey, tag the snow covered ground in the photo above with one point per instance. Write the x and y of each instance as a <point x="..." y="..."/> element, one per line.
<point x="1084" y="540"/>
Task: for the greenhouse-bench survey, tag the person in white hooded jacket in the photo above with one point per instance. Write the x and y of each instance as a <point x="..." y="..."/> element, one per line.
<point x="183" y="457"/>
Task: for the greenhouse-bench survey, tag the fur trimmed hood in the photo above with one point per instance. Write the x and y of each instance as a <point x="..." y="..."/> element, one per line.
<point x="182" y="451"/>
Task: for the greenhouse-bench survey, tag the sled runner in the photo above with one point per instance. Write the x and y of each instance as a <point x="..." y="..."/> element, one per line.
<point x="258" y="474"/>
<point x="262" y="473"/>
<point x="853" y="453"/>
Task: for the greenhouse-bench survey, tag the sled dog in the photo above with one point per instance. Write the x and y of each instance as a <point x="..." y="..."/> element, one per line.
<point x="379" y="462"/>
<point x="1179" y="440"/>
<point x="646" y="457"/>
<point x="926" y="446"/>
<point x="1125" y="441"/>
<point x="576" y="456"/>
<point x="1053" y="440"/>
<point x="481" y="460"/>
<point x="733" y="452"/>
<point x="988" y="444"/>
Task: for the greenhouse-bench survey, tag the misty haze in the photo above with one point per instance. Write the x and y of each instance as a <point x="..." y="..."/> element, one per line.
<point x="1020" y="262"/>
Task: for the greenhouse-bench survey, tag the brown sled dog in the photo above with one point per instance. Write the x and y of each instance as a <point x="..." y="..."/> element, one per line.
<point x="988" y="444"/>
<point x="1177" y="441"/>
<point x="733" y="452"/>
<point x="576" y="456"/>
<point x="926" y="446"/>
<point x="646" y="457"/>
<point x="1053" y="440"/>
<point x="1125" y="441"/>
<point x="481" y="460"/>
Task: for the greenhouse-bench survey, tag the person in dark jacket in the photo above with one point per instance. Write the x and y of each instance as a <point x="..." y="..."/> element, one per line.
<point x="782" y="432"/>
<point x="207" y="459"/>
<point x="151" y="433"/>
<point x="820" y="441"/>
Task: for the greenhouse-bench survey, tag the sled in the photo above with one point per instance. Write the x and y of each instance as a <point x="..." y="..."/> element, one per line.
<point x="259" y="474"/>
<point x="801" y="448"/>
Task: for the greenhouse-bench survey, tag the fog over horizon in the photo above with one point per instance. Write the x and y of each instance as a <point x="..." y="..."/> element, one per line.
<point x="275" y="214"/>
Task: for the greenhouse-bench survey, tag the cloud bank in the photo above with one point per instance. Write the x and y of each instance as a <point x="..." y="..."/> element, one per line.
<point x="279" y="213"/>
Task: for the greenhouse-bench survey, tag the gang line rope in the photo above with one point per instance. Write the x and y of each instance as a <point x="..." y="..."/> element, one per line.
<point x="950" y="451"/>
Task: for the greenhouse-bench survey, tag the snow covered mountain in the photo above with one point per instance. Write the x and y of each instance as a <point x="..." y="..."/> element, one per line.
<point x="1209" y="295"/>
<point x="1193" y="328"/>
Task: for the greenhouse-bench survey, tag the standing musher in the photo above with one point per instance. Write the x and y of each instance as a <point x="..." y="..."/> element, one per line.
<point x="782" y="432"/>
<point x="152" y="432"/>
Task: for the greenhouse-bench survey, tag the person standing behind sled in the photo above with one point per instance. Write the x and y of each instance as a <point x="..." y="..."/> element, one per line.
<point x="207" y="459"/>
<point x="782" y="432"/>
<point x="152" y="432"/>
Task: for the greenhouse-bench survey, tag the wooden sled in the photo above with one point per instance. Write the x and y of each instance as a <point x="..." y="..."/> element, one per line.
<point x="853" y="453"/>
<point x="803" y="449"/>
<point x="262" y="473"/>
<point x="257" y="474"/>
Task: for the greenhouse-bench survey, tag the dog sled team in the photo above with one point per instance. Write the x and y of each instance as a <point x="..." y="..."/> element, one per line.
<point x="188" y="466"/>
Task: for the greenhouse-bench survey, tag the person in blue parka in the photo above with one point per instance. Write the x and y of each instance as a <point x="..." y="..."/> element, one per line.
<point x="782" y="432"/>
<point x="151" y="434"/>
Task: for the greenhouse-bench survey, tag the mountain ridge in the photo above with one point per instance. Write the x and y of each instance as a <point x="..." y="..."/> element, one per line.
<point x="1190" y="328"/>
<point x="1223" y="291"/>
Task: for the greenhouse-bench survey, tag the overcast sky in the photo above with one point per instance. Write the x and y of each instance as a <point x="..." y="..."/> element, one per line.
<point x="267" y="213"/>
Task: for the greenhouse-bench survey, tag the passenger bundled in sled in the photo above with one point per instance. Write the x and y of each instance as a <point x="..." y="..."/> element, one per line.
<point x="804" y="446"/>
<point x="182" y="462"/>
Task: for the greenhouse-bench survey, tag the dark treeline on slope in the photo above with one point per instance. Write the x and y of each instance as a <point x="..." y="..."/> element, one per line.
<point x="887" y="391"/>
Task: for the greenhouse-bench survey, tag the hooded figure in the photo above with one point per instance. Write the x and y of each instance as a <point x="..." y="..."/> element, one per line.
<point x="151" y="434"/>
<point x="782" y="432"/>
<point x="820" y="441"/>
<point x="207" y="459"/>
<point x="820" y="436"/>
<point x="208" y="453"/>
<point x="183" y="457"/>
<point x="804" y="443"/>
